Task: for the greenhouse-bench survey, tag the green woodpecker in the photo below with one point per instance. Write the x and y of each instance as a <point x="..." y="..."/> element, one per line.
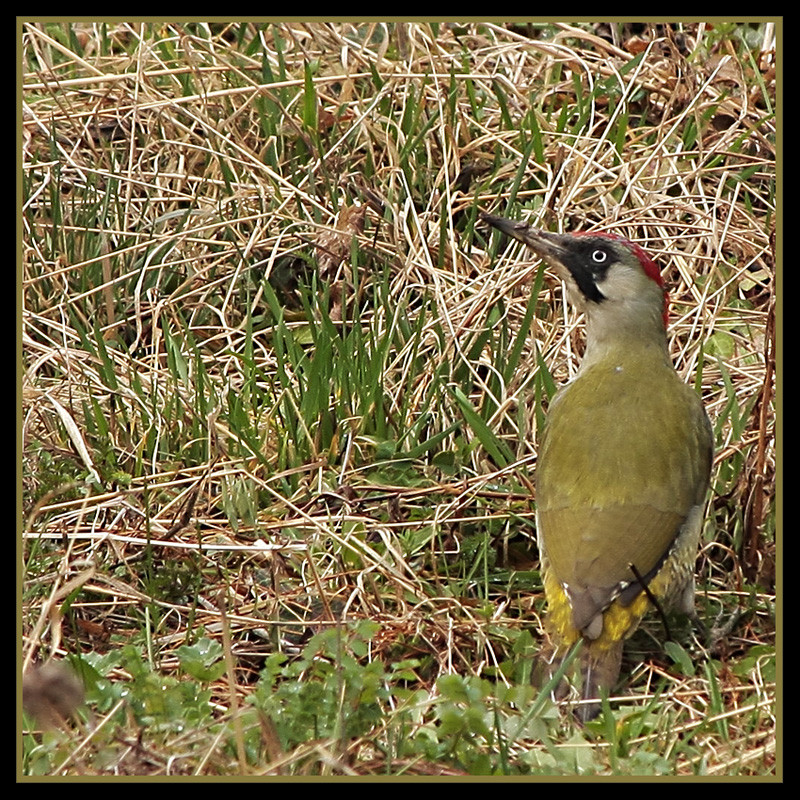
<point x="624" y="462"/>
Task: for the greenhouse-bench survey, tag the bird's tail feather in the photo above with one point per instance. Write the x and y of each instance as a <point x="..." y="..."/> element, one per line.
<point x="593" y="672"/>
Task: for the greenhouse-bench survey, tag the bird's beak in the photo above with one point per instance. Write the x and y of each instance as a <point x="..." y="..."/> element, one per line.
<point x="549" y="246"/>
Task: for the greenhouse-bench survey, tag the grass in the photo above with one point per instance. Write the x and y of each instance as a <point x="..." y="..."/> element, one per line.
<point x="281" y="393"/>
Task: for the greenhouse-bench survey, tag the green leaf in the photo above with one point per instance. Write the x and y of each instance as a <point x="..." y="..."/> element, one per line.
<point x="680" y="658"/>
<point x="203" y="660"/>
<point x="495" y="447"/>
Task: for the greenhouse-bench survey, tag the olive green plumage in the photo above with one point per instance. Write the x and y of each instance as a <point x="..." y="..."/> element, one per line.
<point x="624" y="462"/>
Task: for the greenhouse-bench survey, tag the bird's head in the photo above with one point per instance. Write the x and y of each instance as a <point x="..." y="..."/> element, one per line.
<point x="608" y="276"/>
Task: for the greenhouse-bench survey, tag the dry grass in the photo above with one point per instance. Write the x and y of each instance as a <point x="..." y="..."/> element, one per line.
<point x="201" y="204"/>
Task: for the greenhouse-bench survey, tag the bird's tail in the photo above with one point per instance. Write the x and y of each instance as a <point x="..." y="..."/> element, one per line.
<point x="593" y="672"/>
<point x="600" y="665"/>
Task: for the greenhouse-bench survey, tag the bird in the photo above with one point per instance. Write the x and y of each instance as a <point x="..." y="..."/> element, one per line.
<point x="623" y="465"/>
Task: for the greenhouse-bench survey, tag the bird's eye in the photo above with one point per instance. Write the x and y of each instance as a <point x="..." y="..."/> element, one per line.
<point x="599" y="256"/>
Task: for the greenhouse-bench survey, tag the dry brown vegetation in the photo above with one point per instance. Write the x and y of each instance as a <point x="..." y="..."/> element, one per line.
<point x="281" y="390"/>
